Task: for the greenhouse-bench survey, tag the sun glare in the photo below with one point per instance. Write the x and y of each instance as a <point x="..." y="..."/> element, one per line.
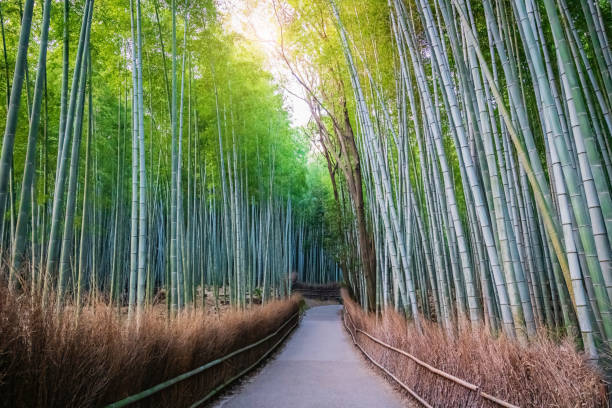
<point x="256" y="21"/>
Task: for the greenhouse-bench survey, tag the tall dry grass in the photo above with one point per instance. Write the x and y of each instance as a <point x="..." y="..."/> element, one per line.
<point x="98" y="359"/>
<point x="542" y="373"/>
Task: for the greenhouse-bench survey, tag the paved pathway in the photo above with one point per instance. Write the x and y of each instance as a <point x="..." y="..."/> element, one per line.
<point x="317" y="367"/>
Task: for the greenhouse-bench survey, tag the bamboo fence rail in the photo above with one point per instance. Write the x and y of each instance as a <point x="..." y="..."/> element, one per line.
<point x="159" y="387"/>
<point x="450" y="377"/>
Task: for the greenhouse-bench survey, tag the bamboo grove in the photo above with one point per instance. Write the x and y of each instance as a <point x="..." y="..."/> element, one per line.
<point x="481" y="131"/>
<point x="152" y="160"/>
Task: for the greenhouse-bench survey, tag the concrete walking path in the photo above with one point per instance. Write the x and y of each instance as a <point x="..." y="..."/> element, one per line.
<point x="317" y="367"/>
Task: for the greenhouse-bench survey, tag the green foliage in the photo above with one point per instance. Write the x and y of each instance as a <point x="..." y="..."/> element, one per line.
<point x="251" y="105"/>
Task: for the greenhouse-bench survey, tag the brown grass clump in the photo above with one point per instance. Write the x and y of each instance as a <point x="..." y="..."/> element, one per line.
<point x="540" y="374"/>
<point x="96" y="360"/>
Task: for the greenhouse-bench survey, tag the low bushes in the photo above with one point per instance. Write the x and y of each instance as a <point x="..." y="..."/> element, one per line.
<point x="539" y="374"/>
<point x="98" y="359"/>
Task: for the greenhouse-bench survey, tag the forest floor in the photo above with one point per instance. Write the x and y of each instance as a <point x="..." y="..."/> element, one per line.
<point x="212" y="306"/>
<point x="317" y="367"/>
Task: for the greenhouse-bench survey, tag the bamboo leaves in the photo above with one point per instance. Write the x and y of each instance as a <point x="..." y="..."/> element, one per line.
<point x="506" y="186"/>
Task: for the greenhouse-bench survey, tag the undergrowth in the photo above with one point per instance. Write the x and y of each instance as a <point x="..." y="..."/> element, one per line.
<point x="541" y="373"/>
<point x="97" y="359"/>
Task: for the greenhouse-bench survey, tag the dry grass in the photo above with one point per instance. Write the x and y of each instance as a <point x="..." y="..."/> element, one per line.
<point x="51" y="362"/>
<point x="540" y="374"/>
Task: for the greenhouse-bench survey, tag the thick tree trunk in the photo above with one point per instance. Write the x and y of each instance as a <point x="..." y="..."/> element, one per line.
<point x="349" y="162"/>
<point x="366" y="244"/>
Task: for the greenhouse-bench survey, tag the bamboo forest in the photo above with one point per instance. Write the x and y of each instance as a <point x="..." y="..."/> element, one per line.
<point x="348" y="203"/>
